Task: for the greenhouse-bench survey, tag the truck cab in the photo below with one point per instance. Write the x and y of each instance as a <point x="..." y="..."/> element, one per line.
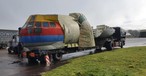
<point x="119" y="37"/>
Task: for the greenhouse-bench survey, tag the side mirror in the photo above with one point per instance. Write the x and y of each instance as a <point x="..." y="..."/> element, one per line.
<point x="19" y="29"/>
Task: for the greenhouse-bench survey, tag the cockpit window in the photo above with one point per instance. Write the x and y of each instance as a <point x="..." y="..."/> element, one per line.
<point x="52" y="24"/>
<point x="45" y="24"/>
<point x="38" y="24"/>
<point x="30" y="24"/>
<point x="24" y="26"/>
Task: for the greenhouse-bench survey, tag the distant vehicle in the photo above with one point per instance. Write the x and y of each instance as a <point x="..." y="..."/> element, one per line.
<point x="109" y="37"/>
<point x="55" y="35"/>
<point x="6" y="36"/>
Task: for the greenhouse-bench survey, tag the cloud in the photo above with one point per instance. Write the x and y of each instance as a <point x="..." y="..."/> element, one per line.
<point x="124" y="13"/>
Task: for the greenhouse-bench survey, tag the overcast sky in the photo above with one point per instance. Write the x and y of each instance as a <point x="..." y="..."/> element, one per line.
<point x="129" y="14"/>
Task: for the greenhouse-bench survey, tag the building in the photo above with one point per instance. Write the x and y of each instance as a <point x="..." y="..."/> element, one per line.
<point x="6" y="36"/>
<point x="134" y="33"/>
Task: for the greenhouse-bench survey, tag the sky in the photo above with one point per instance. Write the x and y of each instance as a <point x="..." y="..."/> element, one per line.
<point x="128" y="14"/>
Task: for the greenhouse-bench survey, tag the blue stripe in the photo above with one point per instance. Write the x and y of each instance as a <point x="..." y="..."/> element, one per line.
<point x="38" y="39"/>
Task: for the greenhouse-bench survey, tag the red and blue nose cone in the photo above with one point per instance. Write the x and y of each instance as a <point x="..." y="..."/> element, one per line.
<point x="42" y="34"/>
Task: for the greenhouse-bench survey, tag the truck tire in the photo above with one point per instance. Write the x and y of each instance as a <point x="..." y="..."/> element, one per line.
<point x="97" y="50"/>
<point x="121" y="44"/>
<point x="57" y="57"/>
<point x="42" y="59"/>
<point x="32" y="60"/>
<point x="9" y="50"/>
<point x="109" y="46"/>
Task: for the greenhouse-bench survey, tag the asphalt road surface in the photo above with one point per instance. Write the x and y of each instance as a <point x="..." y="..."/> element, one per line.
<point x="10" y="65"/>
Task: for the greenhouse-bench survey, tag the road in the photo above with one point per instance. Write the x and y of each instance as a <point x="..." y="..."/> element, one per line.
<point x="131" y="42"/>
<point x="10" y="65"/>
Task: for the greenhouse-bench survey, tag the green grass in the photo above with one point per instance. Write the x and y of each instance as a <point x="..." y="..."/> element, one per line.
<point x="119" y="62"/>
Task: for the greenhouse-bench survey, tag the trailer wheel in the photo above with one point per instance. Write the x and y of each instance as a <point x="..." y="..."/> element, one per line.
<point x="32" y="60"/>
<point x="121" y="44"/>
<point x="57" y="57"/>
<point x="109" y="46"/>
<point x="42" y="59"/>
<point x="97" y="50"/>
<point x="9" y="50"/>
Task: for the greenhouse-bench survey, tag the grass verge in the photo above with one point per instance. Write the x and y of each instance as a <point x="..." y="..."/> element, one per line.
<point x="119" y="62"/>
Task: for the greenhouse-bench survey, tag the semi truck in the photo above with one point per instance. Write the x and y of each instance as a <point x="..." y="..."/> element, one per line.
<point x="46" y="38"/>
<point x="109" y="37"/>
